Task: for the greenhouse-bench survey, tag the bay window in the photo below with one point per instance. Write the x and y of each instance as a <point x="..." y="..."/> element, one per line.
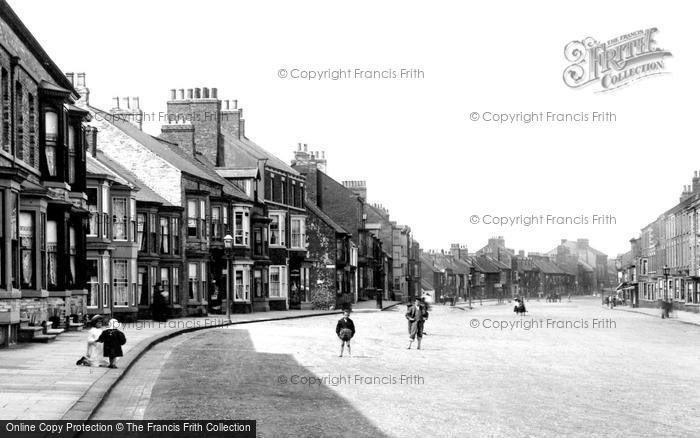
<point x="14" y="242"/>
<point x="277" y="229"/>
<point x="203" y="280"/>
<point x="241" y="225"/>
<point x="105" y="213"/>
<point x="298" y="232"/>
<point x="176" y="285"/>
<point x="132" y="218"/>
<point x="51" y="140"/>
<point x="152" y="233"/>
<point x="105" y="282"/>
<point x="141" y="231"/>
<point x="72" y="255"/>
<point x="143" y="286"/>
<point x="175" y="231"/>
<point x="94" y="212"/>
<point x="120" y="282"/>
<point x="165" y="279"/>
<point x="134" y="276"/>
<point x="52" y="253"/>
<point x="278" y="281"/>
<point x="192" y="217"/>
<point x="216" y="223"/>
<point x="192" y="281"/>
<point x="164" y="235"/>
<point x="27" y="242"/>
<point x="71" y="154"/>
<point x="93" y="283"/>
<point x="241" y="287"/>
<point x="119" y="218"/>
<point x="203" y="232"/>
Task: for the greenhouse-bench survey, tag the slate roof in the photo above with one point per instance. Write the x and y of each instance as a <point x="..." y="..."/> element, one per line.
<point x="246" y="153"/>
<point x="171" y="153"/>
<point x="144" y="193"/>
<point x="311" y="207"/>
<point x="547" y="267"/>
<point x="484" y="265"/>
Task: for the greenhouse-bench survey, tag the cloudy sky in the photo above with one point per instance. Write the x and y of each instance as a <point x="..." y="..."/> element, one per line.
<point x="412" y="139"/>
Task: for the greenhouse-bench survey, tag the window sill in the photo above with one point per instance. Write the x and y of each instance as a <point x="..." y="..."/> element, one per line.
<point x="31" y="293"/>
<point x="277" y="298"/>
<point x="278" y="246"/>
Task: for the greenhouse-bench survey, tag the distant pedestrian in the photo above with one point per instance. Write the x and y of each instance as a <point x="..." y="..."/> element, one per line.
<point x="379" y="299"/>
<point x="416" y="316"/>
<point x="159" y="308"/>
<point x="345" y="329"/>
<point x="112" y="340"/>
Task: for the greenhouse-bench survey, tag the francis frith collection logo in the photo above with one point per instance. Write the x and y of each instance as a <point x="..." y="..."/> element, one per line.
<point x="615" y="63"/>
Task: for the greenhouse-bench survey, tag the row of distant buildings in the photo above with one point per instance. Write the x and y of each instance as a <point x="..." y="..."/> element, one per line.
<point x="96" y="214"/>
<point x="495" y="271"/>
<point x="663" y="264"/>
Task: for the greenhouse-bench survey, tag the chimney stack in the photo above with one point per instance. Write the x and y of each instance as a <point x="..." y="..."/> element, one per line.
<point x="78" y="82"/>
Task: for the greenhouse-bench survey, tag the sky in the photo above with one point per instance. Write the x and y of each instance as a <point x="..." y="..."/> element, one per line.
<point x="412" y="140"/>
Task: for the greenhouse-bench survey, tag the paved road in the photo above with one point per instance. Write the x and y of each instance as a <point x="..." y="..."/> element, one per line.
<point x="630" y="375"/>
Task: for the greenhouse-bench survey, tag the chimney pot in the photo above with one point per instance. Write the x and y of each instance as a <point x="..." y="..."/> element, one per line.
<point x="235" y="103"/>
<point x="323" y="154"/>
<point x="70" y="78"/>
<point x="81" y="79"/>
<point x="173" y="94"/>
<point x="215" y="93"/>
<point x="137" y="103"/>
<point x="181" y="92"/>
<point x="226" y="104"/>
<point x="128" y="103"/>
<point x="299" y="146"/>
<point x="116" y="102"/>
<point x="205" y="93"/>
<point x="190" y="93"/>
<point x="197" y="93"/>
<point x="305" y="148"/>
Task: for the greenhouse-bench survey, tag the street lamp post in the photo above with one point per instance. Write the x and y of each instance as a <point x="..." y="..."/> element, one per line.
<point x="664" y="310"/>
<point x="228" y="250"/>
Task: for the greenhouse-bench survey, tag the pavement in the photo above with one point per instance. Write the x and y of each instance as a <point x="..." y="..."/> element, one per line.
<point x="678" y="315"/>
<point x="42" y="382"/>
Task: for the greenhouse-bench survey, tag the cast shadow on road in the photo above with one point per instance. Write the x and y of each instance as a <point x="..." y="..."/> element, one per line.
<point x="218" y="374"/>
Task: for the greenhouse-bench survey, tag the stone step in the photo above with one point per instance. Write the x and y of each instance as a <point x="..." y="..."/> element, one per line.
<point x="27" y="333"/>
<point x="43" y="338"/>
<point x="74" y="327"/>
<point x="54" y="331"/>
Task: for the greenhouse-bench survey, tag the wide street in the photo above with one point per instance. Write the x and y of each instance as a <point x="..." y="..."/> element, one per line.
<point x="569" y="368"/>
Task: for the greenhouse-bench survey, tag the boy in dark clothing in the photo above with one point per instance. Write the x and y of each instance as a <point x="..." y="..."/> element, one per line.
<point x="345" y="329"/>
<point x="112" y="339"/>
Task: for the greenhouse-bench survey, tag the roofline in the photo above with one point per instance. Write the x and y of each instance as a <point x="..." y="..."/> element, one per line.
<point x="16" y="24"/>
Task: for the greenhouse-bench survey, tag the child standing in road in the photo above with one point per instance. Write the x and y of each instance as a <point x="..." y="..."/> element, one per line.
<point x="345" y="329"/>
<point x="113" y="339"/>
